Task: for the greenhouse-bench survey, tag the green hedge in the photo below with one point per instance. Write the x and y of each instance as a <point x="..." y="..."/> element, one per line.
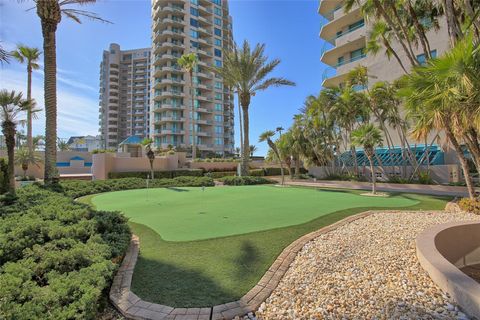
<point x="220" y="174"/>
<point x="57" y="256"/>
<point x="256" y="172"/>
<point x="78" y="188"/>
<point x="271" y="171"/>
<point x="246" y="180"/>
<point x="157" y="174"/>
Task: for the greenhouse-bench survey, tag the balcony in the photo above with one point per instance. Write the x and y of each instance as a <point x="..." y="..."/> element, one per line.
<point x="331" y="57"/>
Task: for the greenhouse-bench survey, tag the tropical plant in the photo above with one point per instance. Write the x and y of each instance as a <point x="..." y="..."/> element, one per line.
<point x="4" y="55"/>
<point x="147" y="143"/>
<point x="267" y="136"/>
<point x="50" y="13"/>
<point x="29" y="56"/>
<point x="25" y="158"/>
<point x="369" y="137"/>
<point x="279" y="130"/>
<point x="443" y="96"/>
<point x="252" y="150"/>
<point x="188" y="62"/>
<point x="62" y="145"/>
<point x="11" y="104"/>
<point x="246" y="71"/>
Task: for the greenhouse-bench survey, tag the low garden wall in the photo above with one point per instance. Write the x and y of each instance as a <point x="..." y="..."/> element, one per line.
<point x="446" y="248"/>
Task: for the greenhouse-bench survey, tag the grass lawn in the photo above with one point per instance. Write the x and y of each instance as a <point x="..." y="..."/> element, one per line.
<point x="201" y="248"/>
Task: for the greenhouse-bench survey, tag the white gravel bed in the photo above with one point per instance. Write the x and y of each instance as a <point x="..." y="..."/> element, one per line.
<point x="367" y="269"/>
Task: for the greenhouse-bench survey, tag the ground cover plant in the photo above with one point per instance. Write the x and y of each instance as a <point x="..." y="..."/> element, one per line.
<point x="245" y="180"/>
<point x="57" y="256"/>
<point x="208" y="271"/>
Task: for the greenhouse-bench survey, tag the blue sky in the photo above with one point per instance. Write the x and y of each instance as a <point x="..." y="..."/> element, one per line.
<point x="289" y="28"/>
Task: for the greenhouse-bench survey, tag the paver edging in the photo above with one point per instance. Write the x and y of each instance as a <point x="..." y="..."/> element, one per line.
<point x="132" y="307"/>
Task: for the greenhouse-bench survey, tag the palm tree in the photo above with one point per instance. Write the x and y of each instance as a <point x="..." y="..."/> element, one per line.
<point x="25" y="158"/>
<point x="279" y="130"/>
<point x="50" y="13"/>
<point x="147" y="143"/>
<point x="188" y="62"/>
<point x="62" y="145"/>
<point x="252" y="150"/>
<point x="369" y="137"/>
<point x="30" y="56"/>
<point x="4" y="55"/>
<point x="267" y="136"/>
<point x="11" y="104"/>
<point x="246" y="71"/>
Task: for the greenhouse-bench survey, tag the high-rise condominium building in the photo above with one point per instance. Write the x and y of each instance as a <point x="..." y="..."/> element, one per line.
<point x="203" y="27"/>
<point x="124" y="95"/>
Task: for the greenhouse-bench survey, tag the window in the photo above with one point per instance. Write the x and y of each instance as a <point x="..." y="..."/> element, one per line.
<point x="423" y="60"/>
<point x="340" y="61"/>
<point x="194" y="2"/>
<point x="217" y="11"/>
<point x="218" y="42"/>
<point x="357" y="54"/>
<point x="218" y="141"/>
<point x="217" y="2"/>
<point x="194" y="44"/>
<point x="218" y="129"/>
<point x="218" y="85"/>
<point x="194" y="34"/>
<point x="218" y="96"/>
<point x="218" y="118"/>
<point x="194" y="11"/>
<point x="218" y="32"/>
<point x="218" y="63"/>
<point x="194" y="22"/>
<point x="218" y="107"/>
<point x="217" y="21"/>
<point x="356" y="25"/>
<point x="218" y="52"/>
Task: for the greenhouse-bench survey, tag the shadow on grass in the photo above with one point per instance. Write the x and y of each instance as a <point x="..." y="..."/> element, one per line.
<point x="177" y="189"/>
<point x="247" y="260"/>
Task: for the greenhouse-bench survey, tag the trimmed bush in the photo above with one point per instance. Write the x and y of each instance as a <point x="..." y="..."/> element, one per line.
<point x="57" y="256"/>
<point x="256" y="172"/>
<point x="246" y="180"/>
<point x="272" y="171"/>
<point x="157" y="174"/>
<point x="220" y="174"/>
<point x="470" y="205"/>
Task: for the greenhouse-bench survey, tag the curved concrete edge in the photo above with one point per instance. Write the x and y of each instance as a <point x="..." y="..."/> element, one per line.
<point x="462" y="289"/>
<point x="132" y="307"/>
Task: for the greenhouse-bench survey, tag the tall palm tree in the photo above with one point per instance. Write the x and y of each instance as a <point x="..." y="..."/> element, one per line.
<point x="11" y="104"/>
<point x="252" y="150"/>
<point x="246" y="71"/>
<point x="267" y="136"/>
<point x="50" y="13"/>
<point x="279" y="130"/>
<point x="29" y="56"/>
<point x="188" y="63"/>
<point x="147" y="143"/>
<point x="369" y="137"/>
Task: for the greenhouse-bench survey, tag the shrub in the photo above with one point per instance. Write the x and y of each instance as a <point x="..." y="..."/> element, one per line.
<point x="157" y="174"/>
<point x="272" y="171"/>
<point x="470" y="205"/>
<point x="56" y="255"/>
<point x="3" y="176"/>
<point x="246" y="180"/>
<point x="256" y="172"/>
<point x="220" y="174"/>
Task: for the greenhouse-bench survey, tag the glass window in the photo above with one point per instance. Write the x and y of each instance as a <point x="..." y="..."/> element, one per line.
<point x="218" y="96"/>
<point x="217" y="2"/>
<point x="218" y="85"/>
<point x="218" y="42"/>
<point x="194" y="34"/>
<point x="218" y="63"/>
<point x="218" y="141"/>
<point x="217" y="21"/>
<point x="194" y="2"/>
<point x="218" y="53"/>
<point x="357" y="54"/>
<point x="218" y="129"/>
<point x="218" y="32"/>
<point x="218" y="107"/>
<point x="194" y="11"/>
<point x="422" y="60"/>
<point x="193" y="22"/>
<point x="217" y="11"/>
<point x="194" y="44"/>
<point x="340" y="61"/>
<point x="218" y="118"/>
<point x="356" y="25"/>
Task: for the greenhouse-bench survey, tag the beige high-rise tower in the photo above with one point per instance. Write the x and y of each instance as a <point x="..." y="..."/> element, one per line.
<point x="205" y="28"/>
<point x="124" y="95"/>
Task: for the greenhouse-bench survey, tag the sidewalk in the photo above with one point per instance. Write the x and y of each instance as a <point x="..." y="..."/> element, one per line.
<point x="385" y="187"/>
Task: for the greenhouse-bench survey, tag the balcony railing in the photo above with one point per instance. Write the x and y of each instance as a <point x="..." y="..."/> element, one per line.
<point x="341" y="63"/>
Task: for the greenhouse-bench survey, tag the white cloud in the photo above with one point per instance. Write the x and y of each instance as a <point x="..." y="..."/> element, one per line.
<point x="77" y="110"/>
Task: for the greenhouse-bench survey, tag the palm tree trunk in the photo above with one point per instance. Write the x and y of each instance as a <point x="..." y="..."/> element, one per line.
<point x="372" y="172"/>
<point x="297" y="167"/>
<point x="463" y="161"/>
<point x="471" y="140"/>
<point x="29" y="110"/>
<point x="241" y="129"/>
<point x="50" y="95"/>
<point x="194" y="140"/>
<point x="386" y="43"/>
<point x="452" y="23"/>
<point x="8" y="130"/>
<point x="421" y="31"/>
<point x="246" y="141"/>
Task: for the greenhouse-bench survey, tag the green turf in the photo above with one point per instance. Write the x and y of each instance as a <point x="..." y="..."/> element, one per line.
<point x="187" y="214"/>
<point x="219" y="270"/>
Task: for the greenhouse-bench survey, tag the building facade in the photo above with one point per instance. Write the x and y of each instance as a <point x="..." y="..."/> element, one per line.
<point x="124" y="95"/>
<point x="203" y="27"/>
<point x="85" y="143"/>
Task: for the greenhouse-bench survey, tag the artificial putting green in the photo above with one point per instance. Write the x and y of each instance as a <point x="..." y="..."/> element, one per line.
<point x="188" y="214"/>
<point x="208" y="272"/>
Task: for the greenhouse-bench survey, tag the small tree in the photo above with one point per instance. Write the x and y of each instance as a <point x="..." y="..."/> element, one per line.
<point x="267" y="136"/>
<point x="252" y="149"/>
<point x="147" y="143"/>
<point x="25" y="158"/>
<point x="369" y="137"/>
<point x="62" y="145"/>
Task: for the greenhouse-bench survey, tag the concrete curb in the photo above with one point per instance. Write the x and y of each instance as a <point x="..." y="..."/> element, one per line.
<point x="132" y="307"/>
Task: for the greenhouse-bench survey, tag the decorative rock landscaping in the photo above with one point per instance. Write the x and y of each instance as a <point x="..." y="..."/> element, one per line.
<point x="367" y="269"/>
